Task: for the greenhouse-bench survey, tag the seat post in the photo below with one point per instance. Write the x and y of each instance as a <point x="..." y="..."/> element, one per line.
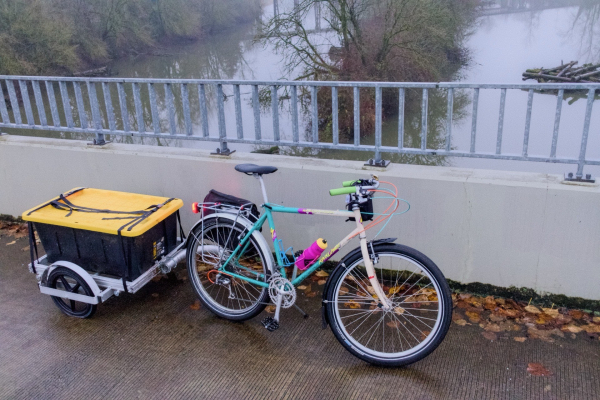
<point x="262" y="186"/>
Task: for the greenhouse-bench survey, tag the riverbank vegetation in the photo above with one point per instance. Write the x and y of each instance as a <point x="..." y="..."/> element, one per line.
<point x="372" y="40"/>
<point x="63" y="36"/>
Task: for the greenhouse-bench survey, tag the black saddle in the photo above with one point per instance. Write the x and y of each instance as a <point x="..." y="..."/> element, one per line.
<point x="250" y="169"/>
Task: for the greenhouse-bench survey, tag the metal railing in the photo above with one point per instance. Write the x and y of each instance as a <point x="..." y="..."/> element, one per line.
<point x="78" y="114"/>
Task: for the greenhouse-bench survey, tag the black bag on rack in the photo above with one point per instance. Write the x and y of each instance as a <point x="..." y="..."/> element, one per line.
<point x="250" y="210"/>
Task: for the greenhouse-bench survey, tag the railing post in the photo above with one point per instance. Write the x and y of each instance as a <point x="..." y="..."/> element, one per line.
<point x="222" y="150"/>
<point x="584" y="138"/>
<point x="377" y="161"/>
<point x="93" y="96"/>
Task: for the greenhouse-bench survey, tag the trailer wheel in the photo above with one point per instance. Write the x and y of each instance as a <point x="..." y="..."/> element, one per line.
<point x="64" y="279"/>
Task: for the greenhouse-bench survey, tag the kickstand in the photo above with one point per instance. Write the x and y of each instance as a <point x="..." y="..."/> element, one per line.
<point x="301" y="311"/>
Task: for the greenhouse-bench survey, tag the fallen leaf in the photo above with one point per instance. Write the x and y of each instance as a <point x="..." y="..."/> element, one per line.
<point x="563" y="319"/>
<point x="591" y="328"/>
<point x="543" y="319"/>
<point x="393" y="324"/>
<point x="393" y="290"/>
<point x="519" y="339"/>
<point x="489" y="335"/>
<point x="501" y="301"/>
<point x="13" y="242"/>
<point x="553" y="312"/>
<point x="460" y="322"/>
<point x="509" y="313"/>
<point x="473" y="316"/>
<point x="571" y="328"/>
<point x="496" y="318"/>
<point x="576" y="314"/>
<point x="343" y="290"/>
<point x="352" y="304"/>
<point x="464" y="296"/>
<point x="270" y="309"/>
<point x="557" y="332"/>
<point x="322" y="282"/>
<point x="371" y="289"/>
<point x="596" y="320"/>
<point x="26" y="248"/>
<point x="462" y="304"/>
<point x="474" y="301"/>
<point x="196" y="305"/>
<point x="154" y="294"/>
<point x="321" y="274"/>
<point x="456" y="315"/>
<point x="536" y="369"/>
<point x="302" y="287"/>
<point x="492" y="328"/>
<point x="311" y="294"/>
<point x="400" y="311"/>
<point x="532" y="309"/>
<point x="534" y="333"/>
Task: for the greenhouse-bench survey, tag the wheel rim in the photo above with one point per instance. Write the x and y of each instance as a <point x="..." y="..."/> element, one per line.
<point x="411" y="323"/>
<point x="211" y="250"/>
<point x="70" y="284"/>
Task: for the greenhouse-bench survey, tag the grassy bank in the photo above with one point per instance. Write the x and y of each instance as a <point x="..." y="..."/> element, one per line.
<point x="60" y="37"/>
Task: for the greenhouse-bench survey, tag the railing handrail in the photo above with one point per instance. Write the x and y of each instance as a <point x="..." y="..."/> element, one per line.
<point x="369" y="84"/>
<point x="91" y="120"/>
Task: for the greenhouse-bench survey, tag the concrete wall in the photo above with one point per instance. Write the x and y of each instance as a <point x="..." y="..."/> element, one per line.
<point x="502" y="228"/>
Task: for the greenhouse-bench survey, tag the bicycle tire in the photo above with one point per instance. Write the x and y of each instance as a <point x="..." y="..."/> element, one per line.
<point x="249" y="299"/>
<point x="416" y="298"/>
<point x="65" y="279"/>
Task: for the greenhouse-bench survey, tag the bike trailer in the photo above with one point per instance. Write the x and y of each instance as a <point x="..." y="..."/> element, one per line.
<point x="114" y="233"/>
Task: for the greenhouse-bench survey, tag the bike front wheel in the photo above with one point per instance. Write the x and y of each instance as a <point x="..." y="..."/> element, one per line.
<point x="414" y="325"/>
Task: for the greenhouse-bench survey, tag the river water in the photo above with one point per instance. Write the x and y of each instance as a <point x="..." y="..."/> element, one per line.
<point x="509" y="38"/>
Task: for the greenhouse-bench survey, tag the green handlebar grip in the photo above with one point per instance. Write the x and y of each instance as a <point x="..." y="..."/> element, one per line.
<point x="346" y="190"/>
<point x="348" y="183"/>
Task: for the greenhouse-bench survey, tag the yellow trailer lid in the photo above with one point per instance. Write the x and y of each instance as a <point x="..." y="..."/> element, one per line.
<point x="104" y="211"/>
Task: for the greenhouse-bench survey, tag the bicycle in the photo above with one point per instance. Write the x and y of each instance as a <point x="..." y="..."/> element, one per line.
<point x="387" y="304"/>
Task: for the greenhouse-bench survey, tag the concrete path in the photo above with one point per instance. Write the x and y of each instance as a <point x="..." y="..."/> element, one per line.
<point x="152" y="345"/>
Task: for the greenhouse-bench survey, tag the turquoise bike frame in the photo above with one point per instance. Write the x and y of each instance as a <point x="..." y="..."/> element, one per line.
<point x="268" y="216"/>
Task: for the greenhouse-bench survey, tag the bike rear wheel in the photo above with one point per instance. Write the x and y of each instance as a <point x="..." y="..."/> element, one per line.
<point x="223" y="294"/>
<point x="412" y="328"/>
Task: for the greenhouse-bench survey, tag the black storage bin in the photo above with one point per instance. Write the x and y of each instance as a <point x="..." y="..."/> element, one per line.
<point x="119" y="256"/>
<point x="112" y="233"/>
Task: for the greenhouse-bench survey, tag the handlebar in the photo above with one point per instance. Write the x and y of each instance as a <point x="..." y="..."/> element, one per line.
<point x="358" y="186"/>
<point x="344" y="190"/>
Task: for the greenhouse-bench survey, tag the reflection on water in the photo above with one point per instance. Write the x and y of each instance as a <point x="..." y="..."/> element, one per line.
<point x="510" y="37"/>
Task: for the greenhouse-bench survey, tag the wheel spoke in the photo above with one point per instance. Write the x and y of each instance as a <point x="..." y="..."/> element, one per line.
<point x="65" y="283"/>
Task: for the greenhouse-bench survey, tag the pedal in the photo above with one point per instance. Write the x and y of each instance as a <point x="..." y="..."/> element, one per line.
<point x="270" y="323"/>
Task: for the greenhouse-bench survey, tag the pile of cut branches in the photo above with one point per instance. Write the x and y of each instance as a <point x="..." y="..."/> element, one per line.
<point x="567" y="73"/>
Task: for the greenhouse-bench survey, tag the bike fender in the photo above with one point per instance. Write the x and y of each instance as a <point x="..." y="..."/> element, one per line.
<point x="79" y="271"/>
<point x="260" y="239"/>
<point x="340" y="265"/>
